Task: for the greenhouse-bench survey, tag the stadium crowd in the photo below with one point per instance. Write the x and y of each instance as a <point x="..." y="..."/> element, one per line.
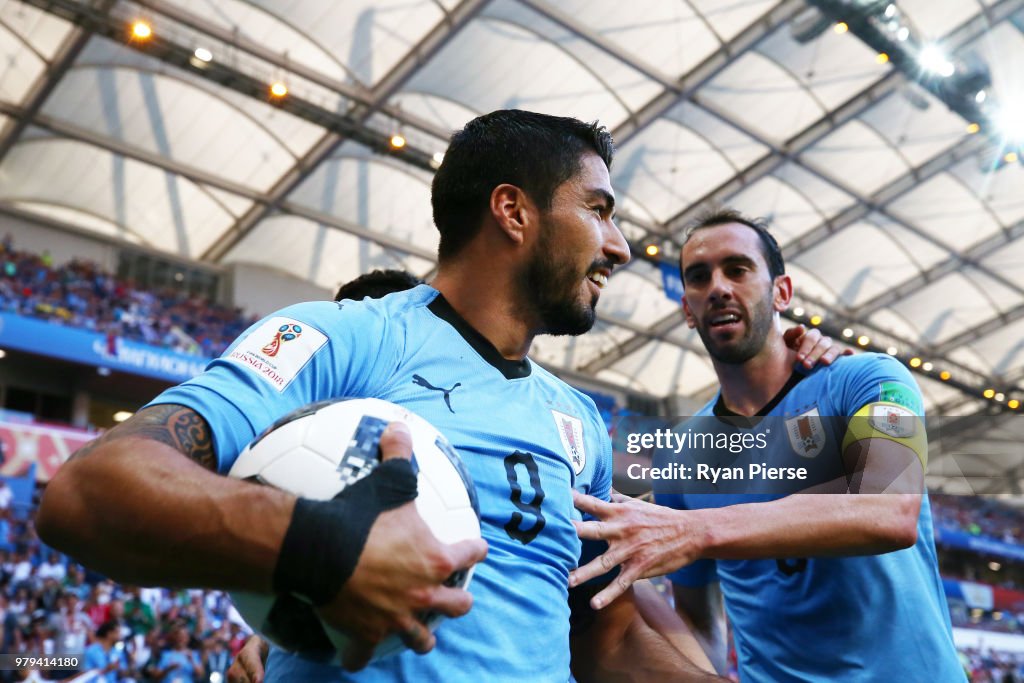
<point x="50" y="606"/>
<point x="80" y="294"/>
<point x="979" y="516"/>
<point x="990" y="666"/>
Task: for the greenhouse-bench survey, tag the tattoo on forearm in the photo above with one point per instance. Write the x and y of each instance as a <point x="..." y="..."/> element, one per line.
<point x="177" y="426"/>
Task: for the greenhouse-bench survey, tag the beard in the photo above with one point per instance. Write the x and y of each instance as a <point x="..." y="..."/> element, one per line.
<point x="750" y="344"/>
<point x="550" y="285"/>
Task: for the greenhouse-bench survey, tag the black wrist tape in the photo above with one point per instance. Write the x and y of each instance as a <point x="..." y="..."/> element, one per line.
<point x="326" y="537"/>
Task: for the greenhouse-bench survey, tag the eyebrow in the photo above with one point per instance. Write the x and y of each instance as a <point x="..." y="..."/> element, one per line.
<point x="737" y="259"/>
<point x="607" y="197"/>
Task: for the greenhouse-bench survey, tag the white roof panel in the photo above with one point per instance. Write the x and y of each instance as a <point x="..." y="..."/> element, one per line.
<point x="321" y="254"/>
<point x="161" y="114"/>
<point x="947" y="210"/>
<point x="667" y="165"/>
<point x="946" y="307"/>
<point x="832" y="67"/>
<point x="859" y="156"/>
<point x="40" y="31"/>
<point x="763" y="96"/>
<point x="861" y="262"/>
<point x="20" y="66"/>
<point x="373" y="192"/>
<point x="670" y="35"/>
<point x="525" y="63"/>
<point x="169" y="213"/>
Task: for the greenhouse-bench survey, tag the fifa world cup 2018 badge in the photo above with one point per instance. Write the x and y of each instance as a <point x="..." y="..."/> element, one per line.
<point x="285" y="333"/>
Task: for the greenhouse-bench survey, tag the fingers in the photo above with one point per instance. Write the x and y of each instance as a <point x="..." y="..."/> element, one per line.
<point x="591" y="531"/>
<point x="812" y="346"/>
<point x="599" y="566"/>
<point x="243" y="671"/>
<point x="248" y="666"/>
<point x="451" y="602"/>
<point x="832" y="353"/>
<point x="417" y="636"/>
<point x="465" y="554"/>
<point x="590" y="505"/>
<point x="614" y="589"/>
<point x="396" y="442"/>
<point x="792" y="335"/>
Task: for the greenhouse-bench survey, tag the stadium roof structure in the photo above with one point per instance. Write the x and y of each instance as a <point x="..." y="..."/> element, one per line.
<point x="897" y="222"/>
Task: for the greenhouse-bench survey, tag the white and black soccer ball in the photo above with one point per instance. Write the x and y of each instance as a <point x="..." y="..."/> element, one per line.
<point x="318" y="450"/>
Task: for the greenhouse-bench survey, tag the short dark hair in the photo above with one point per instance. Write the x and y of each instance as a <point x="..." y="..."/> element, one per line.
<point x="377" y="283"/>
<point x="535" y="152"/>
<point x="106" y="628"/>
<point x="723" y="216"/>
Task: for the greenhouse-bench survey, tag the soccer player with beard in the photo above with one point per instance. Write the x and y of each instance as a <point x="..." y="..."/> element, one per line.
<point x="524" y="205"/>
<point x="817" y="587"/>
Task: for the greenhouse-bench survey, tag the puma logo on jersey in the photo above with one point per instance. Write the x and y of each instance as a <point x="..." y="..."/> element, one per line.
<point x="417" y="379"/>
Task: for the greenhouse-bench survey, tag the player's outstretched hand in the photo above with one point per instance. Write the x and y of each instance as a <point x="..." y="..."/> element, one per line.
<point x="248" y="666"/>
<point x="812" y="347"/>
<point x="400" y="575"/>
<point x="645" y="539"/>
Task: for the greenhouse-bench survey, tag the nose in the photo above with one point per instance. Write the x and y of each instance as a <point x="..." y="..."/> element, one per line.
<point x="720" y="288"/>
<point x="616" y="249"/>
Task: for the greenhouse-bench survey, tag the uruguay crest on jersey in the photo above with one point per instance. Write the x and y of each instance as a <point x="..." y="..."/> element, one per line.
<point x="570" y="431"/>
<point x="806" y="433"/>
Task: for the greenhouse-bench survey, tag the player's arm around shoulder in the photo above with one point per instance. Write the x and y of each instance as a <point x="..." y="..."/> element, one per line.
<point x="637" y="637"/>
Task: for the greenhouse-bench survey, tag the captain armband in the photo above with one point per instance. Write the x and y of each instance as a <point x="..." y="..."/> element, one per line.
<point x="891" y="421"/>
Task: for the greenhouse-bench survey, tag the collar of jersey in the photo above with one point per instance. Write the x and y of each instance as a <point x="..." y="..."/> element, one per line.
<point x="510" y="369"/>
<point x="735" y="419"/>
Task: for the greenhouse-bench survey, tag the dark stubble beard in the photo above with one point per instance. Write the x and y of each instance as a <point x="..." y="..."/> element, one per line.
<point x="753" y="340"/>
<point x="550" y="286"/>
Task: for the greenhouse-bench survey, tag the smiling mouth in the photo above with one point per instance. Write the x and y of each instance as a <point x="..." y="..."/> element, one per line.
<point x="599" y="279"/>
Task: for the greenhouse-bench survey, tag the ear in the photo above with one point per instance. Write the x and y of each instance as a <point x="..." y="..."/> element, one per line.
<point x="691" y="322"/>
<point x="510" y="209"/>
<point x="783" y="293"/>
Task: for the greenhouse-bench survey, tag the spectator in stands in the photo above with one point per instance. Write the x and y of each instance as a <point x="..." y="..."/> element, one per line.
<point x="53" y="568"/>
<point x="5" y="534"/>
<point x="71" y="626"/>
<point x="75" y="583"/>
<point x="138" y="613"/>
<point x="96" y="607"/>
<point x="116" y="615"/>
<point x="6" y="495"/>
<point x="49" y="595"/>
<point x="178" y="661"/>
<point x="217" y="658"/>
<point x="22" y="570"/>
<point x="106" y="655"/>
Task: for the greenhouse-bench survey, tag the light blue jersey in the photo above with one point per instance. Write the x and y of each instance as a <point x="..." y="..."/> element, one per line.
<point x="526" y="437"/>
<point x="873" y="618"/>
